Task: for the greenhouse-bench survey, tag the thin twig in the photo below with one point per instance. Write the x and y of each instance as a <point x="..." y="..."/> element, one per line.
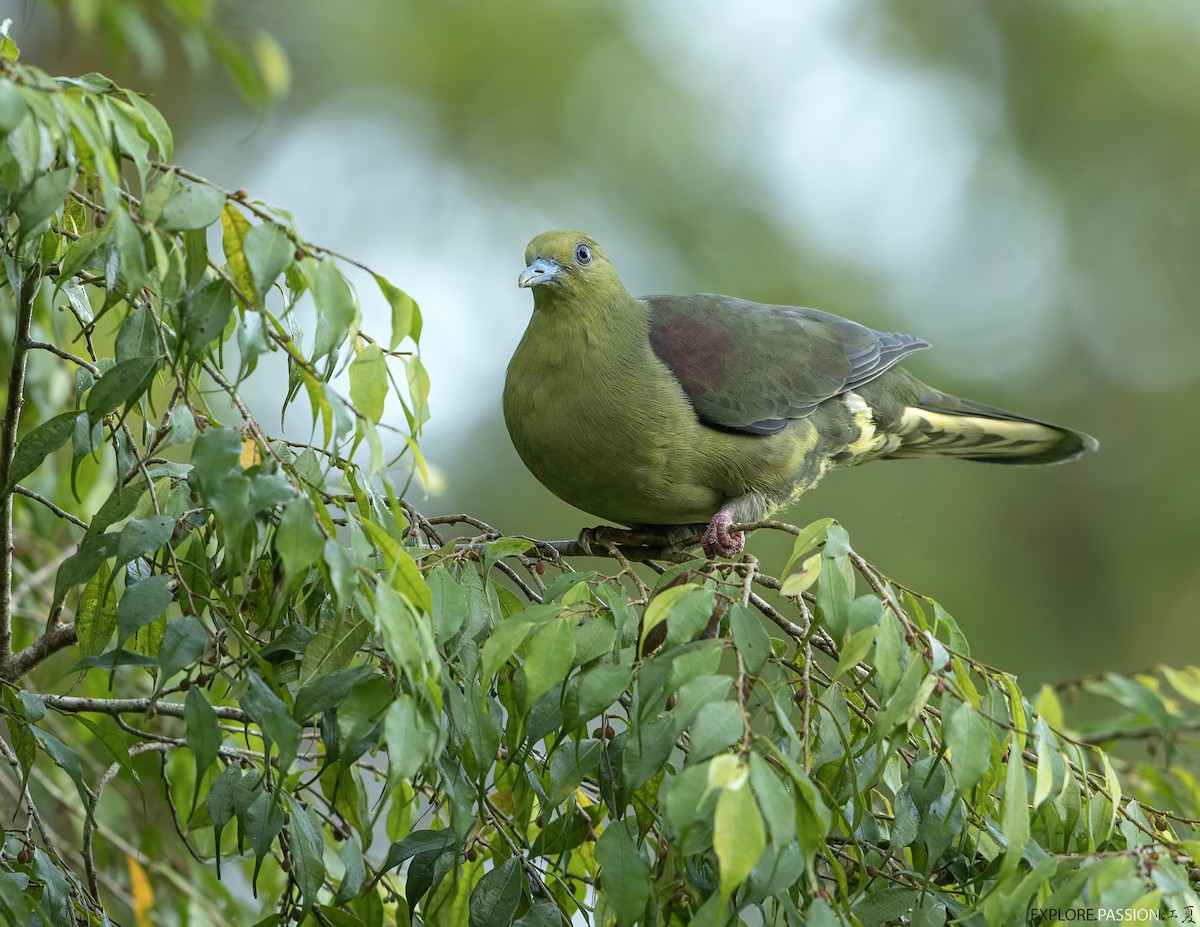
<point x="61" y="513"/>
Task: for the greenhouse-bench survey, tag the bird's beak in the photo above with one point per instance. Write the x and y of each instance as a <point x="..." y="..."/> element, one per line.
<point x="540" y="271"/>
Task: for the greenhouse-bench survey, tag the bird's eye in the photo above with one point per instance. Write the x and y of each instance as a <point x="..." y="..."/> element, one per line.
<point x="583" y="254"/>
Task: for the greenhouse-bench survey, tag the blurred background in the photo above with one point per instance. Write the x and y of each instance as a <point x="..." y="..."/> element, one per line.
<point x="1017" y="183"/>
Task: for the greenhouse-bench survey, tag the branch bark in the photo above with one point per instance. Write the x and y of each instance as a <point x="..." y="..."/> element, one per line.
<point x="8" y="447"/>
<point x="56" y="637"/>
<point x="130" y="706"/>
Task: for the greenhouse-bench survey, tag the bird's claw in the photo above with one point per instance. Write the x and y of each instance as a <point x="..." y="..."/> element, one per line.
<point x="719" y="541"/>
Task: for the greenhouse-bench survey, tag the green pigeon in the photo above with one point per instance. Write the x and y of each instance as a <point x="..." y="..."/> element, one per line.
<point x="672" y="414"/>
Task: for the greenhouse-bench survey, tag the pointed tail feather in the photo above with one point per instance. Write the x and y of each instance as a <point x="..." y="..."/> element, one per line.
<point x="973" y="431"/>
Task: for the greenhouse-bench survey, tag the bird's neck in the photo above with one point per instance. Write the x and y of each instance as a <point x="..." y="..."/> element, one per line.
<point x="615" y="325"/>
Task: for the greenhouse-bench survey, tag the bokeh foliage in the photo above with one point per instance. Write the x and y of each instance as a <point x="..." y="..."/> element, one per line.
<point x="357" y="714"/>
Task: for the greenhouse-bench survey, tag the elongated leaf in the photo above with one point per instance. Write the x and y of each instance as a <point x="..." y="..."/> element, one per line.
<point x="264" y="821"/>
<point x="277" y="724"/>
<point x="96" y="614"/>
<point x="406" y="317"/>
<point x="203" y="734"/>
<point x="337" y="314"/>
<point x="268" y="252"/>
<point x="369" y="381"/>
<point x="184" y="641"/>
<point x="548" y="658"/>
<point x="44" y="440"/>
<point x="124" y="382"/>
<point x="626" y="874"/>
<point x="495" y="897"/>
<point x="738" y="836"/>
<point x="142" y="603"/>
<point x="409" y="740"/>
<point x="195" y="206"/>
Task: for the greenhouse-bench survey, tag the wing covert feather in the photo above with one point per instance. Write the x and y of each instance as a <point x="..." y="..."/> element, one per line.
<point x="750" y="367"/>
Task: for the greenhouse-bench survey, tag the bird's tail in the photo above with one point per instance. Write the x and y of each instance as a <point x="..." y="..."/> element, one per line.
<point x="939" y="424"/>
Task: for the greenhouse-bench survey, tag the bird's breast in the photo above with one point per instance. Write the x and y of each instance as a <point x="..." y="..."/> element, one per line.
<point x="603" y="425"/>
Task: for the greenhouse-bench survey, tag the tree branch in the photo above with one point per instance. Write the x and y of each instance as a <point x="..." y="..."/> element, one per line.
<point x="56" y="637"/>
<point x="8" y="447"/>
<point x="129" y="706"/>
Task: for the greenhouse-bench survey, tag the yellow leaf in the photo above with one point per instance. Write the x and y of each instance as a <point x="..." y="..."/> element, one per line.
<point x="250" y="455"/>
<point x="234" y="227"/>
<point x="143" y="894"/>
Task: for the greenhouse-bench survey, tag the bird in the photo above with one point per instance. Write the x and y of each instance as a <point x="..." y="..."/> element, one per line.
<point x="683" y="415"/>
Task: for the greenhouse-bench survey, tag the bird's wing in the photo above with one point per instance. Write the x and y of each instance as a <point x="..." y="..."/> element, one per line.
<point x="750" y="367"/>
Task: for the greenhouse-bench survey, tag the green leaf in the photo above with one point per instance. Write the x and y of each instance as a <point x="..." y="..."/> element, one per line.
<point x="419" y="842"/>
<point x="278" y="727"/>
<point x="138" y="337"/>
<point x="79" y="254"/>
<point x="661" y="605"/>
<point x="308" y="865"/>
<point x="124" y="382"/>
<point x="970" y="741"/>
<point x="369" y="382"/>
<point x="143" y="536"/>
<point x="505" y="638"/>
<point x="410" y="742"/>
<point x="328" y="690"/>
<point x="268" y="252"/>
<point x="495" y="897"/>
<point x="119" y="505"/>
<point x="264" y="821"/>
<point x="203" y="734"/>
<point x="750" y="637"/>
<point x="153" y="125"/>
<point x="1014" y="810"/>
<point x="12" y="106"/>
<point x="549" y="656"/>
<point x="141" y="604"/>
<point x="406" y="317"/>
<point x="337" y="314"/>
<point x="407" y="580"/>
<point x="626" y="873"/>
<point x="807" y="539"/>
<point x="798" y="582"/>
<point x="125" y="269"/>
<point x="777" y="805"/>
<point x="298" y="540"/>
<point x="718" y="725"/>
<point x="44" y="197"/>
<point x="334" y="646"/>
<point x="194" y="206"/>
<point x="96" y="613"/>
<point x="183" y="643"/>
<point x="44" y="440"/>
<point x="252" y="341"/>
<point x="855" y="650"/>
<point x="205" y="314"/>
<point x="64" y="757"/>
<point x="540" y="915"/>
<point x="594" y="690"/>
<point x="355" y="869"/>
<point x="738" y="835"/>
<point x="82" y="565"/>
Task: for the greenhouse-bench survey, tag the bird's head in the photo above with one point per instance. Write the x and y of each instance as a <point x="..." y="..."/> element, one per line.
<point x="564" y="265"/>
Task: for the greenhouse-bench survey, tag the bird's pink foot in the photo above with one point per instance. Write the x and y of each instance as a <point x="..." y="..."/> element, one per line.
<point x="718" y="540"/>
